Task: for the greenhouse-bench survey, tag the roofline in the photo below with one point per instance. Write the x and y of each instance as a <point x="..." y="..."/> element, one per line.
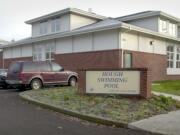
<point x="148" y="14"/>
<point x="66" y="11"/>
<point x="124" y="26"/>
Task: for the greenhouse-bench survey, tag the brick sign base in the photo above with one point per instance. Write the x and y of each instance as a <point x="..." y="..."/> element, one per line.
<point x="145" y="80"/>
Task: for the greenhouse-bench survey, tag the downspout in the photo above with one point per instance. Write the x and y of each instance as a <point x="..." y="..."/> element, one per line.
<point x="122" y="54"/>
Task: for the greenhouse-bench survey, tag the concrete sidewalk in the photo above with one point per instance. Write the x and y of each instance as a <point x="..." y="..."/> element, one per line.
<point x="167" y="95"/>
<point x="163" y="124"/>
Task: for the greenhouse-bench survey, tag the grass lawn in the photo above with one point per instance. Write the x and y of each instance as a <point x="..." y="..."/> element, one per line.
<point x="110" y="107"/>
<point x="171" y="87"/>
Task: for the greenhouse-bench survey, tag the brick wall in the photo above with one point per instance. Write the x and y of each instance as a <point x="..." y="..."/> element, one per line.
<point x="7" y="62"/>
<point x="156" y="63"/>
<point x="97" y="59"/>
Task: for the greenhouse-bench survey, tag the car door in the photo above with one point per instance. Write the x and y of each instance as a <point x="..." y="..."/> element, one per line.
<point x="46" y="73"/>
<point x="59" y="75"/>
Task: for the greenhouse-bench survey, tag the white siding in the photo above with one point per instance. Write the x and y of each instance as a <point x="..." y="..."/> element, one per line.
<point x="141" y="43"/>
<point x="35" y="29"/>
<point x="79" y="21"/>
<point x="82" y="43"/>
<point x="7" y="53"/>
<point x="144" y="44"/>
<point x="179" y="31"/>
<point x="129" y="41"/>
<point x="89" y="42"/>
<point x="16" y="52"/>
<point x="150" y="23"/>
<point x="106" y="40"/>
<point x="160" y="47"/>
<point x="64" y="25"/>
<point x="63" y="45"/>
<point x="26" y="51"/>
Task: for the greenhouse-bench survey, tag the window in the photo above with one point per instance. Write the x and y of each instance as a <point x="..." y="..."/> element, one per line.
<point x="37" y="53"/>
<point x="49" y="52"/>
<point x="172" y="29"/>
<point x="163" y="26"/>
<point x="43" y="28"/>
<point x="55" y="25"/>
<point x="15" y="68"/>
<point x="178" y="57"/>
<point x="127" y="60"/>
<point x="45" y="67"/>
<point x="170" y="56"/>
<point x="56" y="67"/>
<point x="30" y="67"/>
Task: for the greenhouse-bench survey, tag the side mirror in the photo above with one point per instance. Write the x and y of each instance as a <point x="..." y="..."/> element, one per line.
<point x="62" y="69"/>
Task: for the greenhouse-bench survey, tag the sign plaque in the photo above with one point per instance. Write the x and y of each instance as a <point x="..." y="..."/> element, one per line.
<point x="113" y="82"/>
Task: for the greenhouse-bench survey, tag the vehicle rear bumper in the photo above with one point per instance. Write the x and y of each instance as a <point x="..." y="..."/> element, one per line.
<point x="2" y="83"/>
<point x="14" y="82"/>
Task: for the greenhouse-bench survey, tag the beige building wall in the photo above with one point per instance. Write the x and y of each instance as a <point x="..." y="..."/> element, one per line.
<point x="77" y="21"/>
<point x="141" y="43"/>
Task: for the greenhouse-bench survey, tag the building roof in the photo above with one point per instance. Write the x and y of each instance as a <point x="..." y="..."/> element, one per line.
<point x="106" y="24"/>
<point x="146" y="14"/>
<point x="3" y="42"/>
<point x="66" y="11"/>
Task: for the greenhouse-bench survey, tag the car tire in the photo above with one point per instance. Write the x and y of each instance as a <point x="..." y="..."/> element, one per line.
<point x="36" y="84"/>
<point x="72" y="81"/>
<point x="22" y="88"/>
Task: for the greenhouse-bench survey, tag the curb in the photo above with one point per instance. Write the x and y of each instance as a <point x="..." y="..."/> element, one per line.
<point x="75" y="114"/>
<point x="141" y="129"/>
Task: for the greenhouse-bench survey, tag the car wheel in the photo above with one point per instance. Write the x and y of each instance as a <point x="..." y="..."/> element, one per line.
<point x="36" y="84"/>
<point x="72" y="81"/>
<point x="22" y="88"/>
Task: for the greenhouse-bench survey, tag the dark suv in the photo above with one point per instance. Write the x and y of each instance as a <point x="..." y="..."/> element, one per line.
<point x="3" y="74"/>
<point x="38" y="74"/>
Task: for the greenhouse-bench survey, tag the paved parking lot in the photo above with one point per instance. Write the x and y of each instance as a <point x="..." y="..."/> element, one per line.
<point x="17" y="117"/>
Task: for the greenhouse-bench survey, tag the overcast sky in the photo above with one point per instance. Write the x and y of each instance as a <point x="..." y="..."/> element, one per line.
<point x="13" y="13"/>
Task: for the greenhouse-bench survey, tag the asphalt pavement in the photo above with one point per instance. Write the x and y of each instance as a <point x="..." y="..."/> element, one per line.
<point x="17" y="117"/>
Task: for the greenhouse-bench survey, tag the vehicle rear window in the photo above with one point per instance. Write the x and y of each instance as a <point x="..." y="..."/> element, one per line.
<point x="16" y="67"/>
<point x="30" y="67"/>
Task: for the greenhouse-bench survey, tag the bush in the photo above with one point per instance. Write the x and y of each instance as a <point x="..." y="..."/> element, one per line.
<point x="66" y="98"/>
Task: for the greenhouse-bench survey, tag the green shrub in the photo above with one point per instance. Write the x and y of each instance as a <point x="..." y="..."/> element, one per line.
<point x="66" y="98"/>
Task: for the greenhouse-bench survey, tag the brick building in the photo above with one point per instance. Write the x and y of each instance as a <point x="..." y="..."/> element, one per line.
<point x="78" y="39"/>
<point x="2" y="43"/>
